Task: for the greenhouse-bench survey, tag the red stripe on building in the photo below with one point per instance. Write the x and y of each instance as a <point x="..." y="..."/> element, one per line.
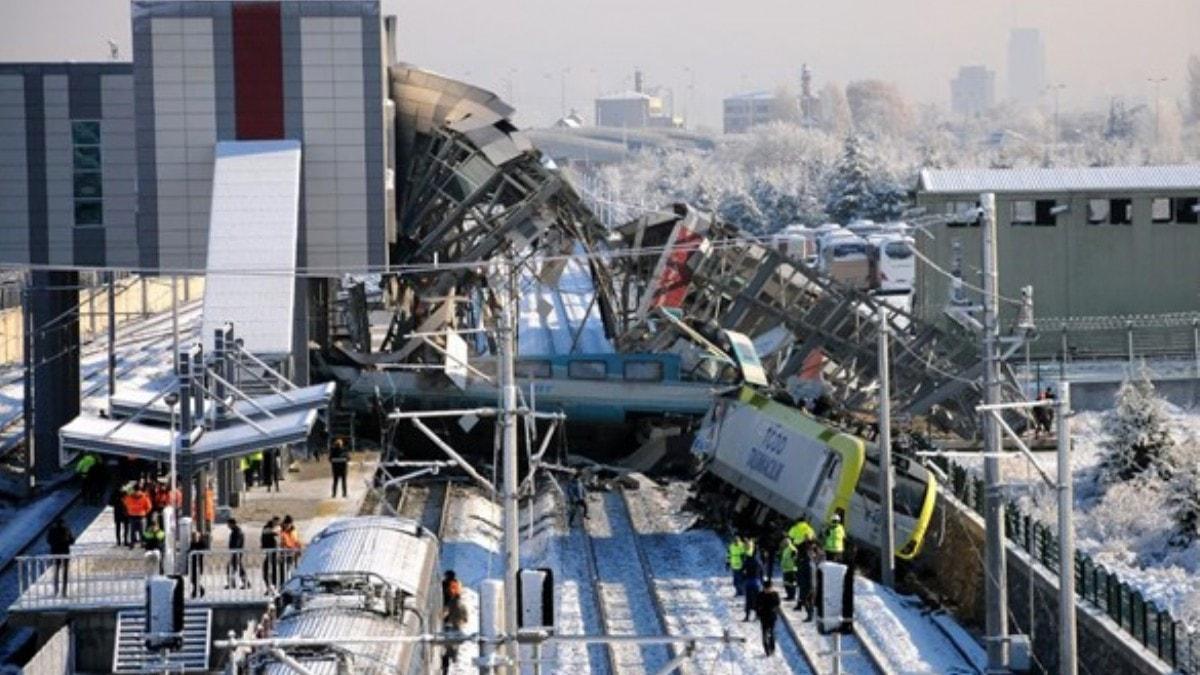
<point x="258" y="70"/>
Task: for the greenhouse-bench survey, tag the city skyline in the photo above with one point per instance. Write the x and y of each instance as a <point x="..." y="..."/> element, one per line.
<point x="544" y="54"/>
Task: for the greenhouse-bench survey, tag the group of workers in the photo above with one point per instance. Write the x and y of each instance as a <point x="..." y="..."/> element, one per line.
<point x="752" y="563"/>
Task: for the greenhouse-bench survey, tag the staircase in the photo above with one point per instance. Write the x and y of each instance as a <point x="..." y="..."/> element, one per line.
<point x="131" y="656"/>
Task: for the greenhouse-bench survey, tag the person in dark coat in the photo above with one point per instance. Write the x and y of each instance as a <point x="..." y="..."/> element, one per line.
<point x="751" y="582"/>
<point x="236" y="568"/>
<point x="339" y="463"/>
<point x="769" y="547"/>
<point x="201" y="542"/>
<point x="454" y="616"/>
<point x="767" y="608"/>
<point x="120" y="517"/>
<point x="269" y="542"/>
<point x="805" y="564"/>
<point x="60" y="538"/>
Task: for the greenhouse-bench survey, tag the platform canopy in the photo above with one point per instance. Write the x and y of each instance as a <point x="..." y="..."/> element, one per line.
<point x="128" y="403"/>
<point x="129" y="438"/>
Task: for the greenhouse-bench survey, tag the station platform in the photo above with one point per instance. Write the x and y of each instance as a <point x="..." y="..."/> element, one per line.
<point x="102" y="575"/>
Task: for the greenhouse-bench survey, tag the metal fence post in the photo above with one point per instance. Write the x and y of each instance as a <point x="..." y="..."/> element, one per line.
<point x="1129" y="339"/>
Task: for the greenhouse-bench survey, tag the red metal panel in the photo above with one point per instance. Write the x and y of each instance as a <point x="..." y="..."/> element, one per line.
<point x="258" y="70"/>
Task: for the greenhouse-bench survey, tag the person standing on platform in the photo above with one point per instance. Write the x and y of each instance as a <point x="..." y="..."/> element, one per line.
<point x="200" y="544"/>
<point x="339" y="462"/>
<point x="767" y="609"/>
<point x="806" y="565"/>
<point x="269" y="542"/>
<point x="835" y="539"/>
<point x="138" y="507"/>
<point x="289" y="541"/>
<point x="120" y="517"/>
<point x="788" y="562"/>
<point x="60" y="538"/>
<point x="733" y="560"/>
<point x="235" y="570"/>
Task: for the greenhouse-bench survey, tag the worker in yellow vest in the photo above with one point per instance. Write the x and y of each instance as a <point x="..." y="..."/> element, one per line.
<point x="835" y="539"/>
<point x="737" y="550"/>
<point x="787" y="562"/>
<point x="801" y="532"/>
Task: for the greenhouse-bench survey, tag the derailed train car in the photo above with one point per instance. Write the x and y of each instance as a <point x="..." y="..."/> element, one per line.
<point x="360" y="577"/>
<point x="790" y="463"/>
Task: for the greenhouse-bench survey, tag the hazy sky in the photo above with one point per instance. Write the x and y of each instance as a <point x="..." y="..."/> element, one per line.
<point x="1096" y="48"/>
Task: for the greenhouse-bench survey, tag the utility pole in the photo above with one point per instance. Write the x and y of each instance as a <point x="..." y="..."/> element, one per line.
<point x="508" y="419"/>
<point x="887" y="543"/>
<point x="996" y="574"/>
<point x="112" y="333"/>
<point x="1067" y="656"/>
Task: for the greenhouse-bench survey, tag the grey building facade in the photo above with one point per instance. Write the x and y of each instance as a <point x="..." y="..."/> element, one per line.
<point x="973" y="90"/>
<point x="1093" y="242"/>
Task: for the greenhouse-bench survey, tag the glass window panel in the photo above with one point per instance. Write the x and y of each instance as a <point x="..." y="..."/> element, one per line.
<point x="85" y="133"/>
<point x="1161" y="209"/>
<point x="88" y="186"/>
<point x="1120" y="211"/>
<point x="89" y="212"/>
<point x="87" y="158"/>
<point x="1022" y="212"/>
<point x="587" y="370"/>
<point x="1185" y="210"/>
<point x="644" y="371"/>
<point x="1097" y="211"/>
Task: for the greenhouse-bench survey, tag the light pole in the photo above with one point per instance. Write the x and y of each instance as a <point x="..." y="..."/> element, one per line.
<point x="168" y="515"/>
<point x="1157" y="82"/>
<point x="1056" y="89"/>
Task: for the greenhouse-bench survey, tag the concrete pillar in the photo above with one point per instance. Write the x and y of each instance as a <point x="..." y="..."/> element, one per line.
<point x="53" y="311"/>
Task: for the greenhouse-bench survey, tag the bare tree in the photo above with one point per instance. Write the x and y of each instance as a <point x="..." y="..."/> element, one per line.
<point x="879" y="109"/>
<point x="834" y="112"/>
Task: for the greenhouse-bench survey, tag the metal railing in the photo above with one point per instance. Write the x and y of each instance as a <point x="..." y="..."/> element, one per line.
<point x="1154" y="628"/>
<point x="118" y="578"/>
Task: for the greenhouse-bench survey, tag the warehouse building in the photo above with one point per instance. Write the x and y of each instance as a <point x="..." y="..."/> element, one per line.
<point x="1097" y="244"/>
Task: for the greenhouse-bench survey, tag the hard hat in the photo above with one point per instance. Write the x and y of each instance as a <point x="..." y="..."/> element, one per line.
<point x="837" y="518"/>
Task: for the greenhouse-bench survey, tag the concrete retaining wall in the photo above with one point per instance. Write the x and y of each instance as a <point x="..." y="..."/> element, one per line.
<point x="952" y="566"/>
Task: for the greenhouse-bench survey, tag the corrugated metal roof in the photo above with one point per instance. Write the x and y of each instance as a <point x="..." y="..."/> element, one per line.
<point x="1075" y="179"/>
<point x="252" y="239"/>
<point x="386" y="547"/>
<point x="332" y="623"/>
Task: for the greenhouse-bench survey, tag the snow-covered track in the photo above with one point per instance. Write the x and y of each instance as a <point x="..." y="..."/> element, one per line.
<point x="629" y="604"/>
<point x="610" y="658"/>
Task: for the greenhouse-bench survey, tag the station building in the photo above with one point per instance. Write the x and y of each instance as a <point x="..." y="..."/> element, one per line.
<point x="1101" y="246"/>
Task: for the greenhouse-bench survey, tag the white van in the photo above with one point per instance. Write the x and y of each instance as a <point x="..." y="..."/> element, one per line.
<point x="895" y="264"/>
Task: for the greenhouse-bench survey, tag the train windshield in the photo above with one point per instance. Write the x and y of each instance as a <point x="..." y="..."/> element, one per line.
<point x="908" y="495"/>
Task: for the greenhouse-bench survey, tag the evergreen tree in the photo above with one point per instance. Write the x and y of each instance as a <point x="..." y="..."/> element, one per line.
<point x="851" y="191"/>
<point x="1183" y="493"/>
<point x="1138" y="435"/>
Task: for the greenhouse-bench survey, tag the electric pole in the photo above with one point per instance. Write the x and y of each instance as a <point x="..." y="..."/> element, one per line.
<point x="508" y="419"/>
<point x="1067" y="656"/>
<point x="996" y="574"/>
<point x="887" y="544"/>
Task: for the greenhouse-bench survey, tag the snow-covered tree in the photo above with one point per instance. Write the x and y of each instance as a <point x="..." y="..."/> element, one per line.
<point x="1183" y="491"/>
<point x="860" y="189"/>
<point x="1139" y="436"/>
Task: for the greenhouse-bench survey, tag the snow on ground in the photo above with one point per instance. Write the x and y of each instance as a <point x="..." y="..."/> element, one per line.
<point x="471" y="546"/>
<point x="696" y="590"/>
<point x="906" y="633"/>
<point x="1126" y="530"/>
<point x="556" y="317"/>
<point x="628" y="606"/>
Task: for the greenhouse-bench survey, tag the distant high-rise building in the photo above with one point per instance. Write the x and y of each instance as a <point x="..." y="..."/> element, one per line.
<point x="1026" y="65"/>
<point x="973" y="91"/>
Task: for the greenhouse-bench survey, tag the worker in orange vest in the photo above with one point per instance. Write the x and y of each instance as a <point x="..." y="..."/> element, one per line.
<point x="137" y="506"/>
<point x="289" y="540"/>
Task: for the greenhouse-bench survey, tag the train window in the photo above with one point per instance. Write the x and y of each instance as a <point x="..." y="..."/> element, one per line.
<point x="909" y="496"/>
<point x="1097" y="211"/>
<point x="644" y="371"/>
<point x="1023" y="212"/>
<point x="898" y="250"/>
<point x="587" y="370"/>
<point x="1161" y="210"/>
<point x="538" y="370"/>
<point x="1187" y="210"/>
<point x="1120" y="211"/>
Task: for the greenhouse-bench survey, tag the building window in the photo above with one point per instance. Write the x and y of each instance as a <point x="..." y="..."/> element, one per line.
<point x="1044" y="212"/>
<point x="1186" y="210"/>
<point x="1161" y="209"/>
<point x="1097" y="211"/>
<point x="962" y="213"/>
<point x="89" y="181"/>
<point x="1023" y="212"/>
<point x="1120" y="211"/>
<point x="89" y="212"/>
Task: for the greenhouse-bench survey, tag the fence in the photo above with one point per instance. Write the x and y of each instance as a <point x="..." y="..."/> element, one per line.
<point x="135" y="297"/>
<point x="118" y="578"/>
<point x="1119" y="337"/>
<point x="1155" y="629"/>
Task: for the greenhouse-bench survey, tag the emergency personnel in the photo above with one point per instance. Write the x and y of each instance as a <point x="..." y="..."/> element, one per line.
<point x="256" y="466"/>
<point x="339" y="463"/>
<point x="801" y="531"/>
<point x="120" y="518"/>
<point x="835" y="539"/>
<point x="89" y="471"/>
<point x="733" y="560"/>
<point x="768" y="552"/>
<point x="201" y="541"/>
<point x="788" y="562"/>
<point x="289" y="541"/>
<point x="247" y="473"/>
<point x="153" y="539"/>
<point x="137" y="507"/>
<point x="767" y="608"/>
